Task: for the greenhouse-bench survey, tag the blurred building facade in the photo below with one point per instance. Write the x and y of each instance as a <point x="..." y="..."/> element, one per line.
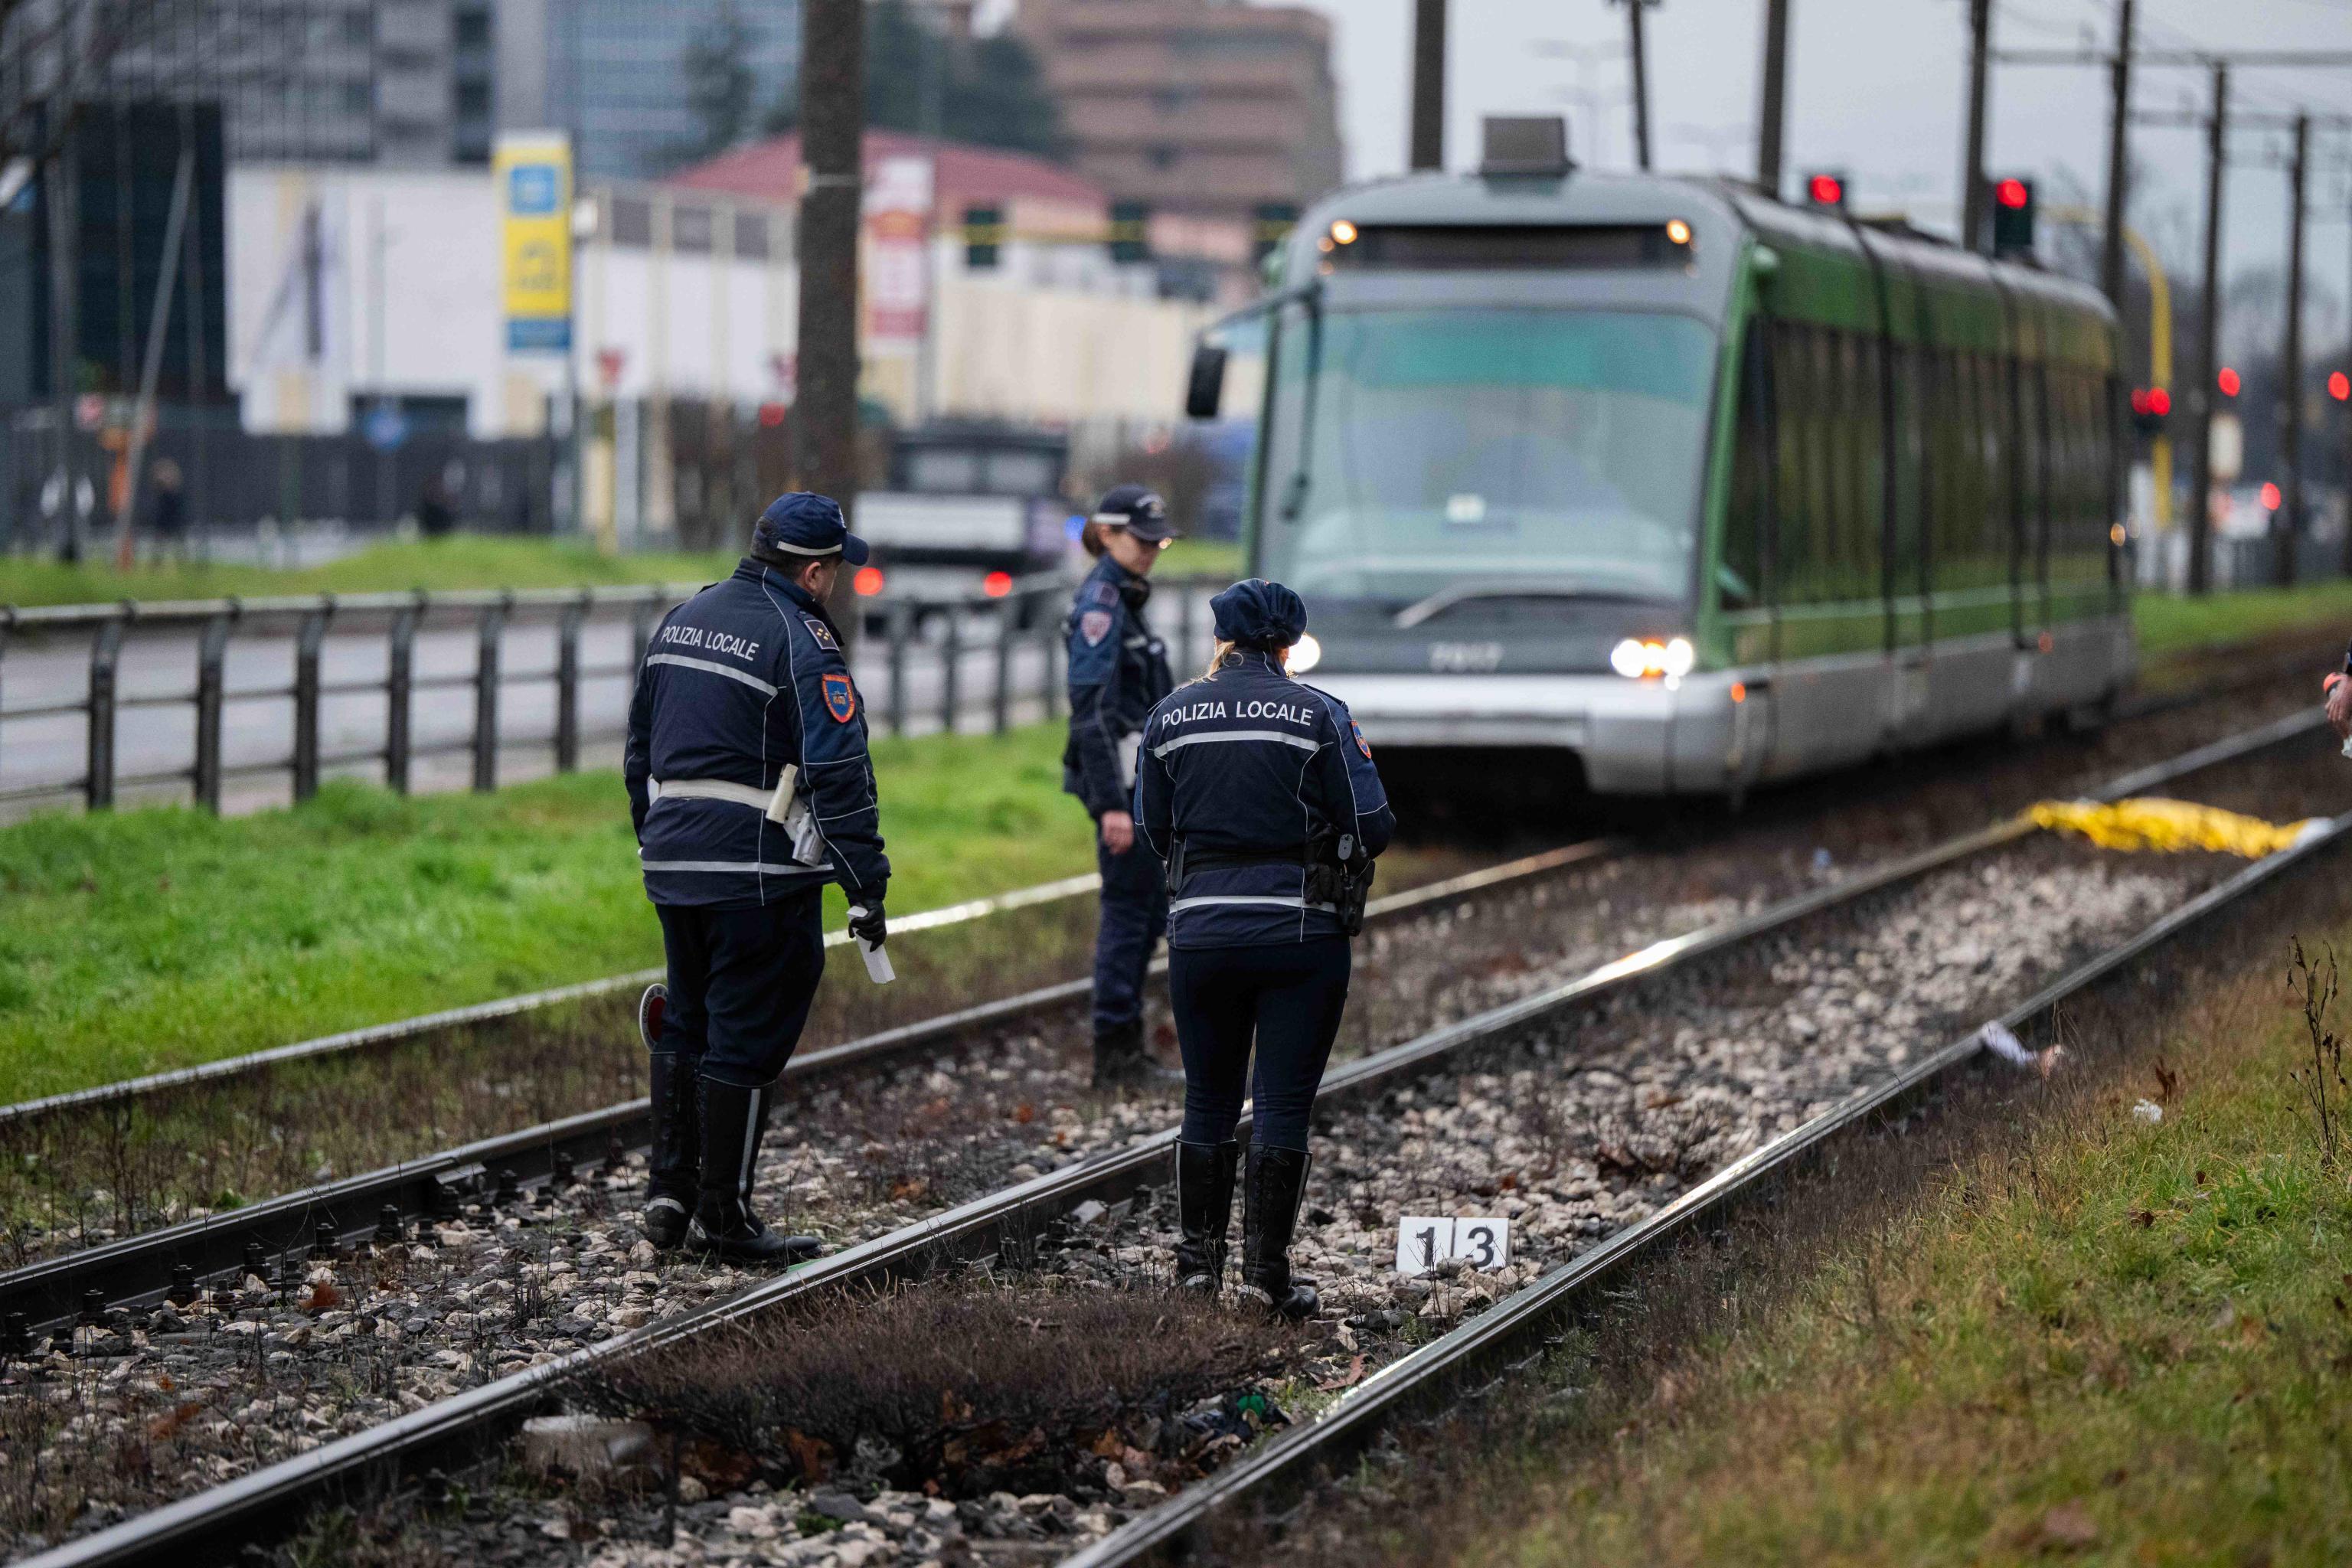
<point x="613" y="73"/>
<point x="1200" y="107"/>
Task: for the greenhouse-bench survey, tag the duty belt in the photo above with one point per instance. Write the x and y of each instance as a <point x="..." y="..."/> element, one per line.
<point x="781" y="805"/>
<point x="758" y="799"/>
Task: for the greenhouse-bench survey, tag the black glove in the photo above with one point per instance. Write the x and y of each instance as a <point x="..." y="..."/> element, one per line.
<point x="868" y="925"/>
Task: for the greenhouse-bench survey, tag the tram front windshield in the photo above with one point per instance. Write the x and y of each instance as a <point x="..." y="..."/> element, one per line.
<point x="1554" y="449"/>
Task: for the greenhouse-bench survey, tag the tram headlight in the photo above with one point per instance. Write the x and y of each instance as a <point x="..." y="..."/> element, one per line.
<point x="1634" y="658"/>
<point x="1305" y="653"/>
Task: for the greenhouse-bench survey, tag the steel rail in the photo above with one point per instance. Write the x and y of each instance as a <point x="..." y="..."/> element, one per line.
<point x="220" y="1520"/>
<point x="327" y="1219"/>
<point x="1423" y="1378"/>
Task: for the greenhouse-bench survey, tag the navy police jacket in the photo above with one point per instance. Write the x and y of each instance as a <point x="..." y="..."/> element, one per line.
<point x="741" y="680"/>
<point x="1253" y="774"/>
<point x="1118" y="671"/>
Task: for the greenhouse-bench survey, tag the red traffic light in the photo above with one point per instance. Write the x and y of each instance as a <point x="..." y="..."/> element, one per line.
<point x="2228" y="380"/>
<point x="1826" y="190"/>
<point x="2269" y="496"/>
<point x="2139" y="400"/>
<point x="2011" y="194"/>
<point x="2159" y="402"/>
<point x="2339" y="386"/>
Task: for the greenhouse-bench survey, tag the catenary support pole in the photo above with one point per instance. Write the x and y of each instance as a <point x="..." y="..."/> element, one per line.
<point x="2209" y="351"/>
<point x="1775" y="110"/>
<point x="1972" y="175"/>
<point x="833" y="114"/>
<point x="1428" y="132"/>
<point x="2288" y="524"/>
<point x="1639" y="58"/>
<point x="2111" y="256"/>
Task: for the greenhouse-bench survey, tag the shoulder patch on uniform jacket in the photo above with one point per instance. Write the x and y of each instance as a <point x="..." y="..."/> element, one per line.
<point x="1098" y="591"/>
<point x="821" y="633"/>
<point x="1362" y="744"/>
<point x="1094" y="626"/>
<point x="840" y="698"/>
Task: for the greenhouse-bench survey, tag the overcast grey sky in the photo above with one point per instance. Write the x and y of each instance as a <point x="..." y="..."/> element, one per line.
<point x="1875" y="89"/>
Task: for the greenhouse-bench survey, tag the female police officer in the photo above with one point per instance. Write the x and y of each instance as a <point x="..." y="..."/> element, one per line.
<point x="1118" y="671"/>
<point x="1260" y="795"/>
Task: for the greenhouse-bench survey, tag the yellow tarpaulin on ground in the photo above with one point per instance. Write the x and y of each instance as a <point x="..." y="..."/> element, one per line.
<point x="2168" y="824"/>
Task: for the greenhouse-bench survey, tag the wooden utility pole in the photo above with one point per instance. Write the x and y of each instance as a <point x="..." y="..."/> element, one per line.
<point x="2111" y="259"/>
<point x="1633" y="9"/>
<point x="1428" y="133"/>
<point x="833" y="150"/>
<point x="1775" y="110"/>
<point x="2288" y="524"/>
<point x="2209" y="356"/>
<point x="1972" y="175"/>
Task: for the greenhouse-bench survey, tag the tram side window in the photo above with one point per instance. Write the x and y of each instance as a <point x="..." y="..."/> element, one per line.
<point x="1741" y="576"/>
<point x="2079" y="543"/>
<point x="1798" y="544"/>
<point x="1862" y="539"/>
<point x="1825" y="401"/>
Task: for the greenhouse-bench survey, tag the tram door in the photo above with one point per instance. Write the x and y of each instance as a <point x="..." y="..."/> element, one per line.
<point x="1906" y="378"/>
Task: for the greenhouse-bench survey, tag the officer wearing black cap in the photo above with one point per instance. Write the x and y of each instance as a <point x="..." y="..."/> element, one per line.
<point x="751" y="789"/>
<point x="1118" y="671"/>
<point x="1259" y="794"/>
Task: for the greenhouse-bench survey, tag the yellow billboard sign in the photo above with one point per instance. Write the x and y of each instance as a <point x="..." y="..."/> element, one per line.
<point x="533" y="172"/>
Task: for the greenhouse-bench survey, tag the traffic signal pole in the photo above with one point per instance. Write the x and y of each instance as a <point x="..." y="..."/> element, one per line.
<point x="2288" y="525"/>
<point x="1972" y="178"/>
<point x="1428" y="133"/>
<point x="2209" y="354"/>
<point x="833" y="118"/>
<point x="1775" y="112"/>
<point x="2111" y="259"/>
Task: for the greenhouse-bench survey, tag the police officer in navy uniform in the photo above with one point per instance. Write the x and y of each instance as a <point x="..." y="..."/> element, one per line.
<point x="751" y="789"/>
<point x="1259" y="794"/>
<point x="1118" y="671"/>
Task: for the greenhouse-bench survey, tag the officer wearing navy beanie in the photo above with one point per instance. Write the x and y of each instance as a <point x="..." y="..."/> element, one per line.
<point x="751" y="789"/>
<point x="1259" y="795"/>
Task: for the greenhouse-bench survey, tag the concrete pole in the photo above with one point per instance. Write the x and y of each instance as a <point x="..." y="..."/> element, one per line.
<point x="2209" y="356"/>
<point x="1774" y="113"/>
<point x="2289" y="523"/>
<point x="1972" y="175"/>
<point x="833" y="116"/>
<point x="1428" y="147"/>
<point x="2111" y="259"/>
<point x="1633" y="9"/>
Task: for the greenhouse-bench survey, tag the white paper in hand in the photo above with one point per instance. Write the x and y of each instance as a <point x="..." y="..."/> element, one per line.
<point x="878" y="961"/>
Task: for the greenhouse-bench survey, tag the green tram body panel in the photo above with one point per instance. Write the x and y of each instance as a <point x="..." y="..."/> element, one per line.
<point x="1907" y="467"/>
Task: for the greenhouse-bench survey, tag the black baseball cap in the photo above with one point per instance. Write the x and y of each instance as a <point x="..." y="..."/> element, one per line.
<point x="1137" y="508"/>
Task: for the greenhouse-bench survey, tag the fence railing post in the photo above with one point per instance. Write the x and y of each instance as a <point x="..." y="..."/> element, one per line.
<point x="1007" y="639"/>
<point x="485" y="696"/>
<point x="898" y="627"/>
<point x="567" y="687"/>
<point x="1049" y="644"/>
<point x="105" y="655"/>
<point x="212" y="694"/>
<point x="307" y="640"/>
<point x="951" y="672"/>
<point x="1185" y="613"/>
<point x="399" y="686"/>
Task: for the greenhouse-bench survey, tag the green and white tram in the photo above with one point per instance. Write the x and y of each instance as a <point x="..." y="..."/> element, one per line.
<point x="1666" y="487"/>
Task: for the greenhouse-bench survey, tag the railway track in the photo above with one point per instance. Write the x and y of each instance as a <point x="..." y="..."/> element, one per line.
<point x="1016" y="1214"/>
<point x="267" y="1239"/>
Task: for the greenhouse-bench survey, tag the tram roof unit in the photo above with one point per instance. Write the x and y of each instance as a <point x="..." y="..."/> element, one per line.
<point x="1936" y="292"/>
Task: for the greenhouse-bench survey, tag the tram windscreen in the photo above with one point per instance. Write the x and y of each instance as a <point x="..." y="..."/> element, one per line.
<point x="1560" y="449"/>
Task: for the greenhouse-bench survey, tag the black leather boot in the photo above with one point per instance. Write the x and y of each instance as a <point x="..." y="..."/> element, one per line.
<point x="675" y="1182"/>
<point x="1277" y="1183"/>
<point x="733" y="1119"/>
<point x="1204" y="1208"/>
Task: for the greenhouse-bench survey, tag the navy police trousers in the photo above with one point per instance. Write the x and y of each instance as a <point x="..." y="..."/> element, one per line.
<point x="1286" y="997"/>
<point x="1134" y="919"/>
<point x="740" y="983"/>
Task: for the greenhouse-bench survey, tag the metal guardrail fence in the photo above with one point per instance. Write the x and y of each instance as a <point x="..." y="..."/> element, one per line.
<point x="1030" y="615"/>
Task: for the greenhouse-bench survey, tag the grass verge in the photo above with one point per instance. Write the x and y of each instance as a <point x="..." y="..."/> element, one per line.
<point x="2037" y="1325"/>
<point x="2170" y="623"/>
<point x="460" y="561"/>
<point x="137" y="940"/>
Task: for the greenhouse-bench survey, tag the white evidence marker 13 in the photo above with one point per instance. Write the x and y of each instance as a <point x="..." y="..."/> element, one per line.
<point x="1425" y="1241"/>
